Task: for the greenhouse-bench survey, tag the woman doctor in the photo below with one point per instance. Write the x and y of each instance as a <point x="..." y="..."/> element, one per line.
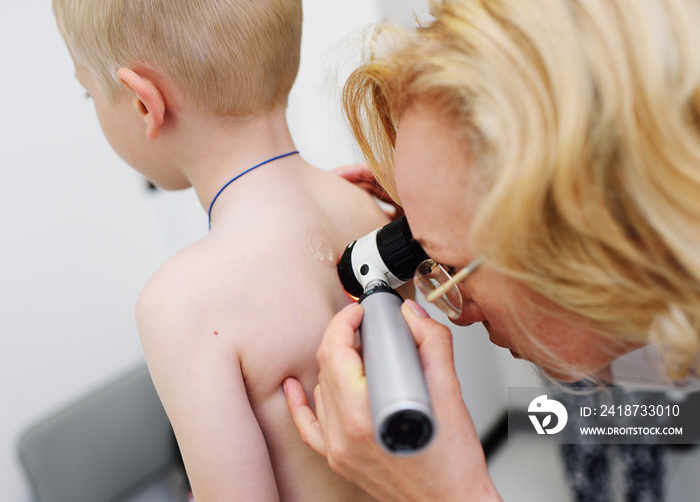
<point x="547" y="155"/>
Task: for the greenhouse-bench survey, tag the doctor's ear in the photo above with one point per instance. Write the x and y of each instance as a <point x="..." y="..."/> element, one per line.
<point x="147" y="99"/>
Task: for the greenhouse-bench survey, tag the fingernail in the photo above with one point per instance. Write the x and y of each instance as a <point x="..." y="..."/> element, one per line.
<point x="417" y="309"/>
<point x="284" y="386"/>
<point x="350" y="305"/>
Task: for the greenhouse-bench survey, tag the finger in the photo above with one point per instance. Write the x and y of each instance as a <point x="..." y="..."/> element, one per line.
<point x="374" y="189"/>
<point x="346" y="421"/>
<point x="355" y="172"/>
<point x="341" y="368"/>
<point x="321" y="413"/>
<point x="342" y="389"/>
<point x="362" y="176"/>
<point x="303" y="417"/>
<point x="340" y="332"/>
<point x="320" y="408"/>
<point x="381" y="194"/>
<point x="435" y="348"/>
<point x="434" y="340"/>
<point x="415" y="315"/>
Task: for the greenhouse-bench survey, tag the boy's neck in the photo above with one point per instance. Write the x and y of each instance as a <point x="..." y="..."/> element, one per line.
<point x="220" y="149"/>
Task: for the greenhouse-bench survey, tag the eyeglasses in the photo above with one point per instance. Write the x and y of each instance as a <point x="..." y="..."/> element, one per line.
<point x="440" y="286"/>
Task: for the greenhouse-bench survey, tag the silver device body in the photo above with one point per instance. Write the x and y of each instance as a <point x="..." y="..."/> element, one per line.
<point x="402" y="416"/>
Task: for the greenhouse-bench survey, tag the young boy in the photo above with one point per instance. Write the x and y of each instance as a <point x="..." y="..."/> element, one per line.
<point x="194" y="94"/>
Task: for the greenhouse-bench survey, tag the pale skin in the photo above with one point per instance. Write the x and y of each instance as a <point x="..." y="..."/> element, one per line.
<point x="439" y="195"/>
<point x="225" y="321"/>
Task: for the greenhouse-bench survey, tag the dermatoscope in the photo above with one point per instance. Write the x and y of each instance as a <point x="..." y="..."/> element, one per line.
<point x="369" y="269"/>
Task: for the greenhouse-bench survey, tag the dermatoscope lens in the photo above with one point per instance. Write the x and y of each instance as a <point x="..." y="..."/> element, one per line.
<point x="429" y="276"/>
<point x="406" y="431"/>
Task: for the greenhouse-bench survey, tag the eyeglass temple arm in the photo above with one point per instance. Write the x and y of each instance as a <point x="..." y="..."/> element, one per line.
<point x="457" y="278"/>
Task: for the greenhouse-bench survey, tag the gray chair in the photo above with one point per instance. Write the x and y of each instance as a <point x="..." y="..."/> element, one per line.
<point x="105" y="447"/>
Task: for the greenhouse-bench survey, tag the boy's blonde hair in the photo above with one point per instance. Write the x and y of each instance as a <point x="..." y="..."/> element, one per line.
<point x="229" y="57"/>
<point x="583" y="117"/>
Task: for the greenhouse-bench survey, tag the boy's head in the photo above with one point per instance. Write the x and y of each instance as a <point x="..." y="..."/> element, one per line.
<point x="232" y="58"/>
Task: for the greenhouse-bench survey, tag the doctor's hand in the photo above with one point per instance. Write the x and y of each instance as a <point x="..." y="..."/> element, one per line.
<point x="361" y="175"/>
<point x="452" y="467"/>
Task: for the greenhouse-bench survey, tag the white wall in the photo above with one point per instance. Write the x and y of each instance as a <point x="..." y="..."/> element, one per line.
<point x="81" y="234"/>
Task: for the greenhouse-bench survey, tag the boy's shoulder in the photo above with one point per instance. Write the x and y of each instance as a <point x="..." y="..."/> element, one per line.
<point x="186" y="294"/>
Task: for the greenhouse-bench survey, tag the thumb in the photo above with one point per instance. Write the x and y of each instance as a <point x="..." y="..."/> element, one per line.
<point x="424" y="329"/>
<point x="434" y="342"/>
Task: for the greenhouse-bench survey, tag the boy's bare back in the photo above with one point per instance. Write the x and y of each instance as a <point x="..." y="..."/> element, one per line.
<point x="226" y="320"/>
<point x="191" y="94"/>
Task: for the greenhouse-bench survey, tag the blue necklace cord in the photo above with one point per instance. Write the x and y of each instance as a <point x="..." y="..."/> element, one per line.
<point x="246" y="172"/>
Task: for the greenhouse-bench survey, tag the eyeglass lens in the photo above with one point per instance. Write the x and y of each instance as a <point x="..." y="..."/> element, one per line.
<point x="428" y="277"/>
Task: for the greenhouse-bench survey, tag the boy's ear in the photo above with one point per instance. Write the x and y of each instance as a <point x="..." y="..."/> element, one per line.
<point x="148" y="100"/>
